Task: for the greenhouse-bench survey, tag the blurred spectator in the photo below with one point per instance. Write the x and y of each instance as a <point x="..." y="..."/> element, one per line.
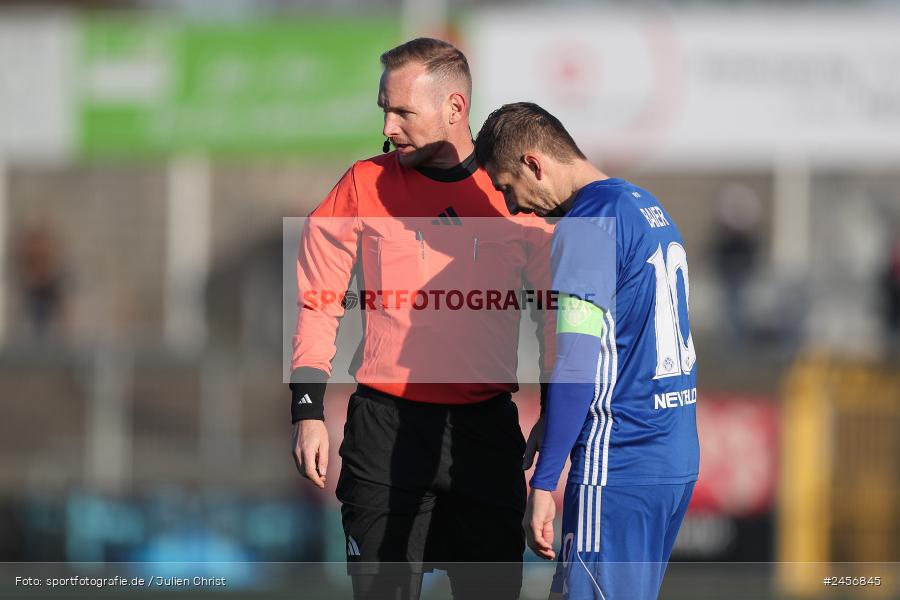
<point x="39" y="273"/>
<point x="735" y="247"/>
<point x="892" y="296"/>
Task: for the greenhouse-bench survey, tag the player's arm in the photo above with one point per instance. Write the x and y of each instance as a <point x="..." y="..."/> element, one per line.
<point x="584" y="261"/>
<point x="571" y="391"/>
<point x="572" y="387"/>
<point x="325" y="259"/>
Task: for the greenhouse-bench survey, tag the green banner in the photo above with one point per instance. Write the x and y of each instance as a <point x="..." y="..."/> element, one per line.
<point x="149" y="86"/>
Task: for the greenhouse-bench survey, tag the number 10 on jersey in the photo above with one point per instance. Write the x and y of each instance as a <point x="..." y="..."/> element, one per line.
<point x="674" y="355"/>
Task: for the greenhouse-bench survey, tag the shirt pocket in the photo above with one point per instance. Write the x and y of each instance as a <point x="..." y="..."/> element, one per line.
<point x="401" y="269"/>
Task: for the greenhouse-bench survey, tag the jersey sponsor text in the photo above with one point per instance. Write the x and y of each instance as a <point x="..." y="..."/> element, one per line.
<point x="675" y="399"/>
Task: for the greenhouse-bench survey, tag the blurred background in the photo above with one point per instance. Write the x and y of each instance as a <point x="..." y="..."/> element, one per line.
<point x="150" y="149"/>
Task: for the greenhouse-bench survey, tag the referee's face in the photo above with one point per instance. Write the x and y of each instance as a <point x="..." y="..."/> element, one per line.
<point x="413" y="113"/>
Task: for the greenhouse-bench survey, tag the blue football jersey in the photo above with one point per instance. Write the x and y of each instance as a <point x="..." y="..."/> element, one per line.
<point x="620" y="250"/>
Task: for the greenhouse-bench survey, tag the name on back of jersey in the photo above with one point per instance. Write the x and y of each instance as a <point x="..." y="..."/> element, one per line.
<point x="655" y="216"/>
<point x="675" y="399"/>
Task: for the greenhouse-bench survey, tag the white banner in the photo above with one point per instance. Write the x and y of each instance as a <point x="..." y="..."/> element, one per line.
<point x="700" y="88"/>
<point x="36" y="105"/>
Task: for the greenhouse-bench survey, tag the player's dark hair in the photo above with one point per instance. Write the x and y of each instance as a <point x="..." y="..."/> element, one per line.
<point x="514" y="129"/>
<point x="442" y="59"/>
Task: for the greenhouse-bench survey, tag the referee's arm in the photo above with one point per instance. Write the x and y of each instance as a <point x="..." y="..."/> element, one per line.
<point x="325" y="260"/>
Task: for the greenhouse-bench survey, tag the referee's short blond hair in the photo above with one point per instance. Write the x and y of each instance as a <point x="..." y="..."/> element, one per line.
<point x="443" y="60"/>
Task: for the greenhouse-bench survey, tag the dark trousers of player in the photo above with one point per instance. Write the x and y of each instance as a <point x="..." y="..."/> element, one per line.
<point x="427" y="486"/>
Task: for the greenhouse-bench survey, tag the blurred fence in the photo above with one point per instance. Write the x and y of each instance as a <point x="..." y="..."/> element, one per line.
<point x="840" y="482"/>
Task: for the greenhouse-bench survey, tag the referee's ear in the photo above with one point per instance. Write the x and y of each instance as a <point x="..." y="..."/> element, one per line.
<point x="458" y="108"/>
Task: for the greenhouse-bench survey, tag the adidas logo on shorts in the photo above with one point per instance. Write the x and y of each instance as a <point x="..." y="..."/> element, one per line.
<point x="352" y="547"/>
<point x="304" y="400"/>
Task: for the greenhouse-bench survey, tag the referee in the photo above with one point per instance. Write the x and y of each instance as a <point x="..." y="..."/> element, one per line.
<point x="432" y="472"/>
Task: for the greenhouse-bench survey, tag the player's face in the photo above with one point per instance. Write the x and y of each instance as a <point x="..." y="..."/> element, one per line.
<point x="521" y="191"/>
<point x="413" y="113"/>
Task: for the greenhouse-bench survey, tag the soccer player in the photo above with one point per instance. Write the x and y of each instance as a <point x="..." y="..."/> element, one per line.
<point x="622" y="395"/>
<point x="431" y="472"/>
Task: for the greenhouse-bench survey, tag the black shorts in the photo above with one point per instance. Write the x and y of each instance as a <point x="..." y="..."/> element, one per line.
<point x="424" y="485"/>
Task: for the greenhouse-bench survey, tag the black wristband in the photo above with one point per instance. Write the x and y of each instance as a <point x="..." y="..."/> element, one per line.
<point x="545" y="387"/>
<point x="308" y="394"/>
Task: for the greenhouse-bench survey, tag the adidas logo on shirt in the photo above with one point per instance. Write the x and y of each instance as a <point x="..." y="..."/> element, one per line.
<point x="304" y="400"/>
<point x="448" y="217"/>
<point x="352" y="547"/>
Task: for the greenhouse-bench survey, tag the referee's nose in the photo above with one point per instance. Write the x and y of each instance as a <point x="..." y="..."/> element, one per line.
<point x="391" y="128"/>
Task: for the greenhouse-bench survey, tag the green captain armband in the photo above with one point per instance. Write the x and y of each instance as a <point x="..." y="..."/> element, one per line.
<point x="578" y="316"/>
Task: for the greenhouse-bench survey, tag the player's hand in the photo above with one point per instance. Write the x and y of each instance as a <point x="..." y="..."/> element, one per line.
<point x="310" y="449"/>
<point x="539" y="523"/>
<point x="533" y="445"/>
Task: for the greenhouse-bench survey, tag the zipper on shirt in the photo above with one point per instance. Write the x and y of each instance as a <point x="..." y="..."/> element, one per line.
<point x="475" y="249"/>
<point x="421" y="239"/>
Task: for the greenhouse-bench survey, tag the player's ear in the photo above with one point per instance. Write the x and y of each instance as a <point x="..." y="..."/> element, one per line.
<point x="532" y="162"/>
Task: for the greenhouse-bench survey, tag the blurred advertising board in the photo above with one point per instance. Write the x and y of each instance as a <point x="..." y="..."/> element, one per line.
<point x="151" y="85"/>
<point x="699" y="87"/>
<point x="707" y="87"/>
<point x="739" y="455"/>
<point x="731" y="516"/>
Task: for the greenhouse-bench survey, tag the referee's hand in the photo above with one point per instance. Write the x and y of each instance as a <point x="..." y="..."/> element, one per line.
<point x="310" y="449"/>
<point x="539" y="523"/>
